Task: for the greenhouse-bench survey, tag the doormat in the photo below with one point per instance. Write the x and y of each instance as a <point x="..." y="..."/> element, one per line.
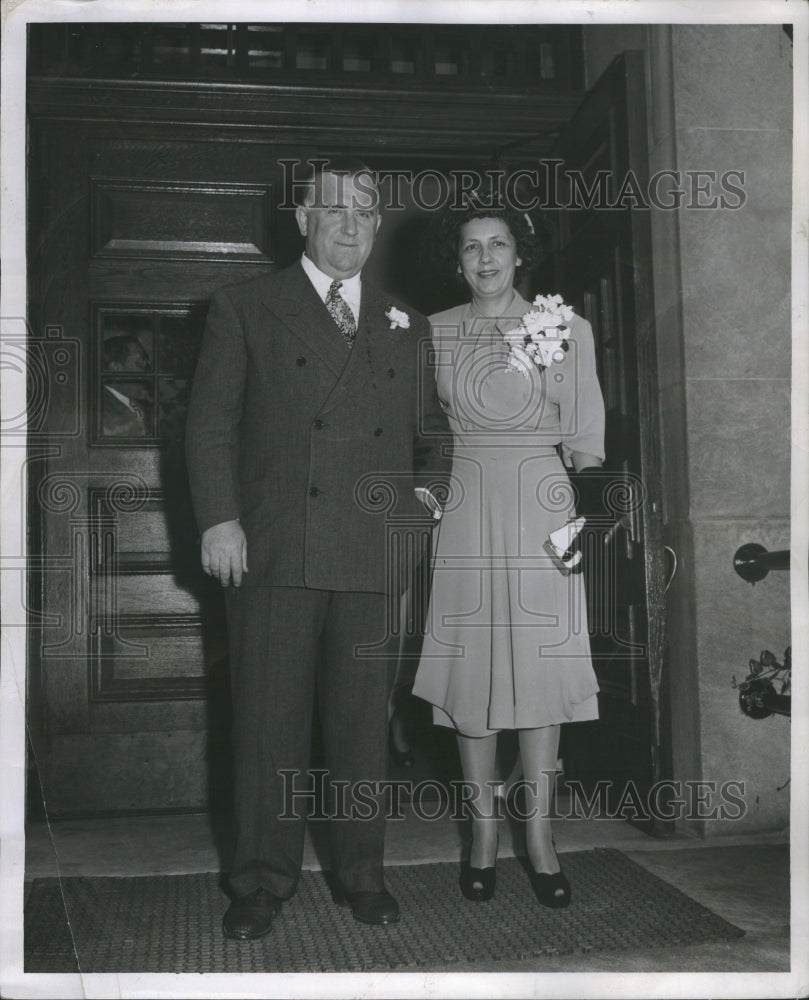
<point x="172" y="923"/>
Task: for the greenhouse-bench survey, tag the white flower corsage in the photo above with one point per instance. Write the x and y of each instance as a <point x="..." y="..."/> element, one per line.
<point x="541" y="337"/>
<point x="397" y="318"/>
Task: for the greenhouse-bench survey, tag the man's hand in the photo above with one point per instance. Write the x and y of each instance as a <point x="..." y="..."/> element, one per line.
<point x="224" y="552"/>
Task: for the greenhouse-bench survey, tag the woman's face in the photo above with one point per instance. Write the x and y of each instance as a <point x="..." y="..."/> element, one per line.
<point x="487" y="257"/>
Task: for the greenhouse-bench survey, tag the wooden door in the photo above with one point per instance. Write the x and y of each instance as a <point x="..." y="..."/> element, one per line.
<point x="129" y="696"/>
<point x="129" y="689"/>
<point x="603" y="267"/>
<point x="129" y="236"/>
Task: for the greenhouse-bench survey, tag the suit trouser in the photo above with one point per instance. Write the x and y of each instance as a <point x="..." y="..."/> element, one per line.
<point x="283" y="641"/>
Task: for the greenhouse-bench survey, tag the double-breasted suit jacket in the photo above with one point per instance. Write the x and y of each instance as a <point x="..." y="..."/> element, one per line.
<point x="308" y="442"/>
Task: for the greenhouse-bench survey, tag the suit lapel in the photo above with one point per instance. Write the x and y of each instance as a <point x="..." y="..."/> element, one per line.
<point x="298" y="305"/>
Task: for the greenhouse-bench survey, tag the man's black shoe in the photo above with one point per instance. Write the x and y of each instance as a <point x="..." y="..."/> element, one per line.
<point x="369" y="907"/>
<point x="251" y="916"/>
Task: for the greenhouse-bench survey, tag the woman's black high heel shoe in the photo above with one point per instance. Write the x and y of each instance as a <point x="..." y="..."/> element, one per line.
<point x="546" y="889"/>
<point x="477" y="884"/>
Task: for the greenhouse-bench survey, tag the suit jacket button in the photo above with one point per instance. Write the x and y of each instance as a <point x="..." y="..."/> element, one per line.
<point x="314" y="491"/>
<point x="391" y="373"/>
<point x="319" y="425"/>
<point x="300" y="362"/>
<point x="377" y="432"/>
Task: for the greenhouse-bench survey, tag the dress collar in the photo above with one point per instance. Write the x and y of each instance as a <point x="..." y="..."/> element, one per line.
<point x="515" y="310"/>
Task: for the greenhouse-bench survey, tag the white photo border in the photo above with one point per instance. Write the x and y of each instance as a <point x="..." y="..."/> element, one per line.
<point x="13" y="304"/>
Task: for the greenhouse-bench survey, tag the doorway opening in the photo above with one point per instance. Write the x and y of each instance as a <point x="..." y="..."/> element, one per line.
<point x="133" y="225"/>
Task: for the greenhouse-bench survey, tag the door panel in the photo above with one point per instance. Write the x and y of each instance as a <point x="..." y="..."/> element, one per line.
<point x="134" y="237"/>
<point x="603" y="267"/>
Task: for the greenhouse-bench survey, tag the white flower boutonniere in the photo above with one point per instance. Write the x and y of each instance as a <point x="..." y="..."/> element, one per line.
<point x="541" y="337"/>
<point x="397" y="318"/>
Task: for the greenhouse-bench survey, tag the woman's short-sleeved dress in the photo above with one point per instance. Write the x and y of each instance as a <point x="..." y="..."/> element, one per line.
<point x="506" y="643"/>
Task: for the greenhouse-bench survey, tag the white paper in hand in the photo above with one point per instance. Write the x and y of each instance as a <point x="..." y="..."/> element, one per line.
<point x="559" y="542"/>
<point x="429" y="502"/>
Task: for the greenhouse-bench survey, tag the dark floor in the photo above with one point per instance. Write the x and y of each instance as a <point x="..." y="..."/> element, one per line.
<point x="743" y="879"/>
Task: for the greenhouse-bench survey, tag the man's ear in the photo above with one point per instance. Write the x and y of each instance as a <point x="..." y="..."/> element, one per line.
<point x="378" y="223"/>
<point x="302" y="219"/>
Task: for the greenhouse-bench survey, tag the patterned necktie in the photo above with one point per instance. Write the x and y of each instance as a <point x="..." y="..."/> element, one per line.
<point x="341" y="313"/>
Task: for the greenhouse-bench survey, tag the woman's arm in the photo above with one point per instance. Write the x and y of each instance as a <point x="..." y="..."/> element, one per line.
<point x="581" y="403"/>
<point x="581" y="461"/>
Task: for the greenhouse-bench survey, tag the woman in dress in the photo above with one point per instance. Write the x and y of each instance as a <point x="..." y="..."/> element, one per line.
<point x="506" y="645"/>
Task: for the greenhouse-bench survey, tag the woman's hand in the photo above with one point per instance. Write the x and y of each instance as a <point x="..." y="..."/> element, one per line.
<point x="589" y="481"/>
<point x="591" y="484"/>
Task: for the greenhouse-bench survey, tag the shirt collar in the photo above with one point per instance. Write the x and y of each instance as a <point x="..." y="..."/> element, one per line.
<point x="351" y="289"/>
<point x="120" y="397"/>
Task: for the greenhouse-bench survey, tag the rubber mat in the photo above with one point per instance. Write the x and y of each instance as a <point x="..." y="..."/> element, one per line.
<point x="173" y="923"/>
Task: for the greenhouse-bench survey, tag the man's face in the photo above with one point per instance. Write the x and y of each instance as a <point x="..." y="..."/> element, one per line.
<point x="137" y="360"/>
<point x="339" y="221"/>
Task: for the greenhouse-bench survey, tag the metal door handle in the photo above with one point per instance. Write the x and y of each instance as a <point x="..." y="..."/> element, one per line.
<point x="673" y="572"/>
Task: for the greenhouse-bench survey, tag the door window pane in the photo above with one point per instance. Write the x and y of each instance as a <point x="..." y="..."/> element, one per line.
<point x="145" y="361"/>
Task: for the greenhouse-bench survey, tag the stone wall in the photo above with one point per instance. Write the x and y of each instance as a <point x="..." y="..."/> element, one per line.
<point x="719" y="99"/>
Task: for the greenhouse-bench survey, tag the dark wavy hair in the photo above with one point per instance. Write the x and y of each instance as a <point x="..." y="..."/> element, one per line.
<point x="447" y="235"/>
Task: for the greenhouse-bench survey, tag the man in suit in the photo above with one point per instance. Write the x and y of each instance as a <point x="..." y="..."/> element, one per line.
<point x="308" y="397"/>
